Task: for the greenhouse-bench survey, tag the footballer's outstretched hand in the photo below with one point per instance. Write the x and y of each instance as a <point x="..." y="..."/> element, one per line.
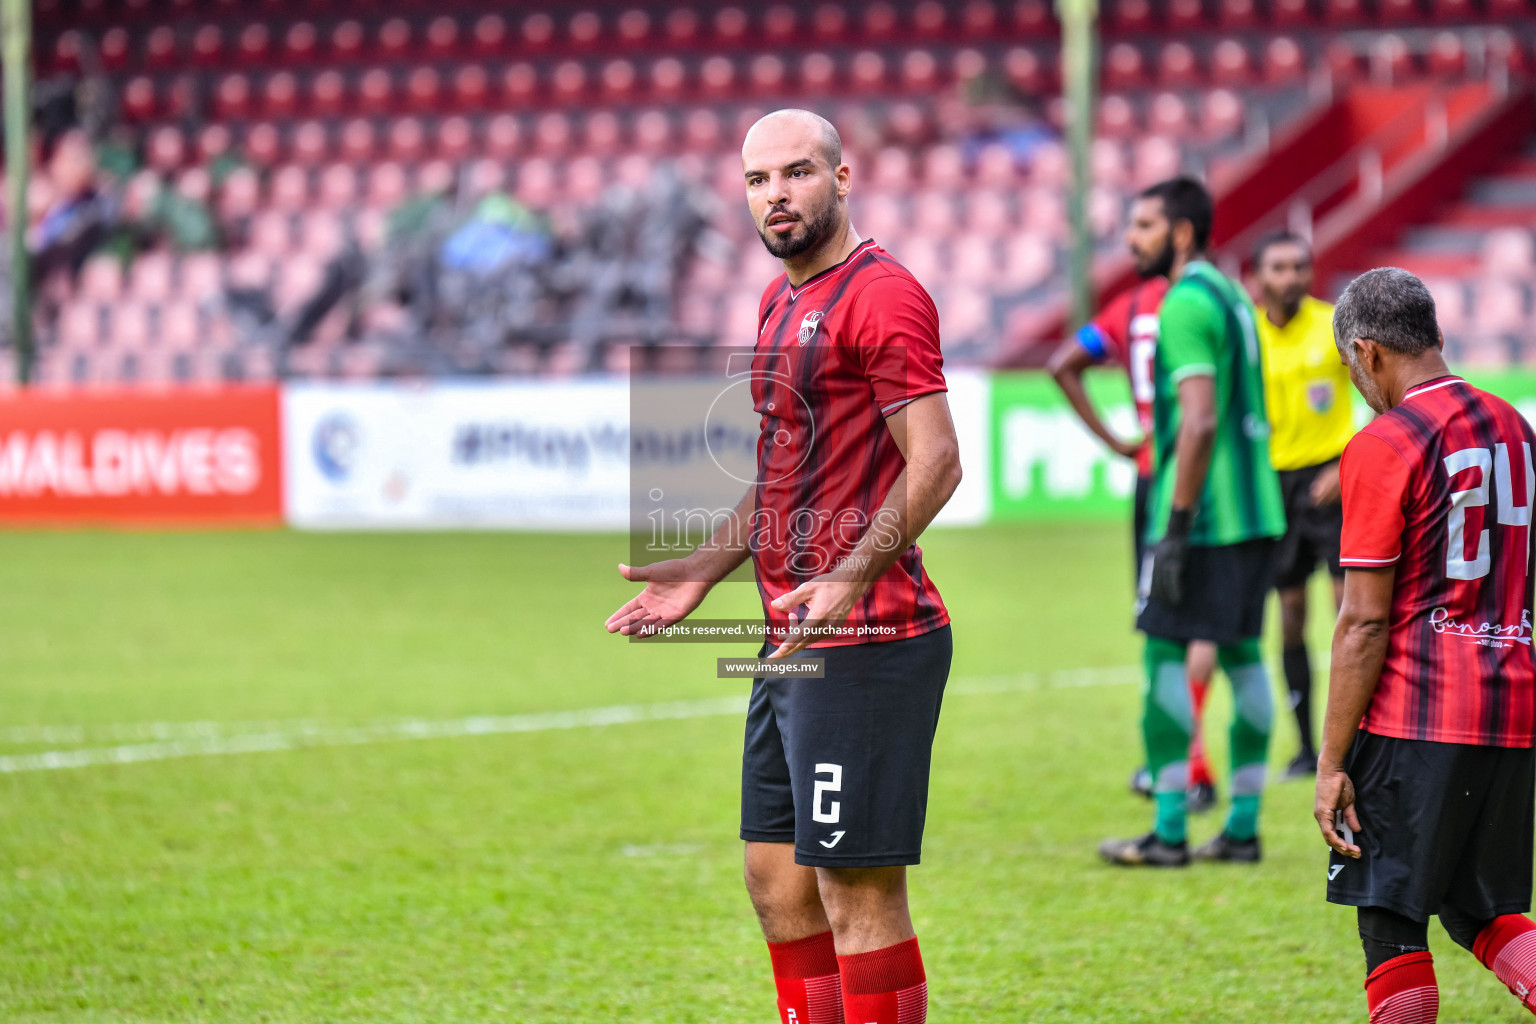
<point x="1168" y="558"/>
<point x="672" y="591"/>
<point x="828" y="600"/>
<point x="1336" y="793"/>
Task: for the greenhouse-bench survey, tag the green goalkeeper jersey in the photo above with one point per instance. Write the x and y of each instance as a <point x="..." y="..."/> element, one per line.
<point x="1206" y="328"/>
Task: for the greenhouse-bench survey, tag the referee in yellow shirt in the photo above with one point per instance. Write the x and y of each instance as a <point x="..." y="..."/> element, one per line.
<point x="1306" y="391"/>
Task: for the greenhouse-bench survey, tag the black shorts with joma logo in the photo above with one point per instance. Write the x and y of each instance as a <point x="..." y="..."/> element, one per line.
<point x="839" y="765"/>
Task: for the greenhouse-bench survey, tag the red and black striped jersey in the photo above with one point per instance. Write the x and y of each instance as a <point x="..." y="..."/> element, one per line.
<point x="834" y="357"/>
<point x="1441" y="487"/>
<point x="1126" y="331"/>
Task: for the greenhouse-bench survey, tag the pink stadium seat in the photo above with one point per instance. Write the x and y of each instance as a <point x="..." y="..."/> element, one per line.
<point x="1033" y="17"/>
<point x="255" y="44"/>
<point x="974" y="260"/>
<point x="519" y="84"/>
<point x="919" y="71"/>
<point x="1343" y="12"/>
<point x="213" y="142"/>
<point x="1231" y="63"/>
<point x="271" y="233"/>
<point x="201" y="277"/>
<point x="196" y="184"/>
<point x="702" y="131"/>
<point x="584" y="29"/>
<point x="929" y="18"/>
<point x="66" y="51"/>
<point x="79" y="325"/>
<point x="878" y="21"/>
<point x="978" y="18"/>
<point x="208" y="46"/>
<point x="1117" y="117"/>
<point x="1107" y="163"/>
<point x="338" y="186"/>
<point x="1154" y="158"/>
<point x="179" y="326"/>
<point x="1391" y="59"/>
<point x="996" y="169"/>
<point x="239" y="195"/>
<point x="920" y="255"/>
<point x="944" y="168"/>
<point x="584" y="180"/>
<point x="328" y="93"/>
<point x="967" y="64"/>
<point x="892" y="170"/>
<point x="634" y="27"/>
<point x="455" y="139"/>
<point x="653" y="132"/>
<point x="730" y="25"/>
<point x="1498" y="307"/>
<point x="1221" y="114"/>
<point x="717" y="76"/>
<point x="1025" y="70"/>
<point x="1398" y="11"/>
<point x="471" y="88"/>
<point x="667" y="78"/>
<point x="569" y="82"/>
<point x="1176" y="65"/>
<point x="280" y="95"/>
<point x="160" y="50"/>
<point x="149" y="277"/>
<point x="1291" y="13"/>
<point x="988" y="214"/>
<point x="249" y="269"/>
<point x="130" y="326"/>
<point x="485" y="177"/>
<point x="166" y="150"/>
<point x="1168" y="115"/>
<point x="375" y="91"/>
<point x="115" y="48"/>
<point x="139" y="98"/>
<point x="766" y="74"/>
<point x="490" y="34"/>
<point x="442" y="37"/>
<point x="1123" y="67"/>
<point x="423" y="89"/>
<point x="503" y="137"/>
<point x="262" y="143"/>
<point x="602" y="134"/>
<point x="1283" y="61"/>
<point x="1044" y="211"/>
<point x="867" y="74"/>
<point x="1186" y="15"/>
<point x="407" y="140"/>
<point x="965" y="312"/>
<point x="619" y="78"/>
<point x="321" y="235"/>
<point x="1231" y="14"/>
<point x="1510" y="252"/>
<point x="537" y="32"/>
<point x="818" y="73"/>
<point x="301" y="43"/>
<point x="552" y="134"/>
<point x="536" y="184"/>
<point x="1133" y="16"/>
<point x="347" y="42"/>
<point x="101" y="279"/>
<point x="311" y="144"/>
<point x="1049" y="168"/>
<point x="1450" y="303"/>
<point x="829" y="22"/>
<point x="357" y="141"/>
<point x="386" y="185"/>
<point x="933" y="213"/>
<point x="394" y="39"/>
<point x="879" y="216"/>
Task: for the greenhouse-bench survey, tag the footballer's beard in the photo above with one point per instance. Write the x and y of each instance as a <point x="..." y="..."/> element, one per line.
<point x="1159" y="265"/>
<point x="815" y="227"/>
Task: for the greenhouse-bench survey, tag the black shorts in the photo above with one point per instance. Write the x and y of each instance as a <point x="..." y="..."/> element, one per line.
<point x="1440" y="824"/>
<point x="1311" y="531"/>
<point x="1224" y="592"/>
<point x="839" y="766"/>
<point x="1139" y="519"/>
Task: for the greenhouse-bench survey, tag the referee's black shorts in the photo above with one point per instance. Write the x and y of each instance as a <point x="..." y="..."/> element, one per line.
<point x="839" y="766"/>
<point x="1441" y="824"/>
<point x="1312" y="531"/>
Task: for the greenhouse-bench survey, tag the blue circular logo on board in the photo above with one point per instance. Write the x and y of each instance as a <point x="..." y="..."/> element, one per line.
<point x="336" y="445"/>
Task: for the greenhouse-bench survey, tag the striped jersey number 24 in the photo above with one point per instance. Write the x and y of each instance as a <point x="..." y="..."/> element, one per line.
<point x="1491" y="466"/>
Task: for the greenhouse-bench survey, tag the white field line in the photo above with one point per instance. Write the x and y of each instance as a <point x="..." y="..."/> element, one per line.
<point x="212" y="739"/>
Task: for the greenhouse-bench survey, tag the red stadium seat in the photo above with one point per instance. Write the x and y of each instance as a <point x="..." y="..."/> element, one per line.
<point x="1447" y="57"/>
<point x="139" y="98"/>
<point x="667" y="78"/>
<point x="1343" y="62"/>
<point x="442" y="37"/>
<point x="1186" y="15"/>
<point x="1231" y="63"/>
<point x="255" y="44"/>
<point x="101" y="279"/>
<point x="619" y="80"/>
<point x="602" y="134"/>
<point x="271" y="233"/>
<point x="879" y="21"/>
<point x="1117" y="118"/>
<point x="201" y="276"/>
<point x="730" y="25"/>
<point x="357" y="141"/>
<point x="1154" y="158"/>
<point x="682" y="27"/>
<point x="1107" y="163"/>
<point x="1283" y="61"/>
<point x="766" y="74"/>
<point x="634" y="27"/>
<point x="239" y="195"/>
<point x="817" y="73"/>
<point x="1025" y="70"/>
<point x="978" y="18"/>
<point x="280" y="95"/>
<point x="929" y="18"/>
<point x="503" y="137"/>
<point x="536" y="183"/>
<point x="1045" y="211"/>
<point x="919" y="71"/>
<point x="1168" y="115"/>
<point x="1133" y="16"/>
<point x="1343" y="12"/>
<point x="997" y="169"/>
<point x="407" y="140"/>
<point x="347" y="42"/>
<point x="1221" y="114"/>
<point x="892" y="171"/>
<point x="1289" y="13"/>
<point x="1452" y="11"/>
<point x="490" y="34"/>
<point x="232" y="97"/>
<point x="717" y="76"/>
<point x="208" y="46"/>
<point x="471" y="88"/>
<point x="289" y="191"/>
<point x="867" y="74"/>
<point x="1123" y="67"/>
<point x="262" y="144"/>
<point x="328" y="93"/>
<point x="944" y="168"/>
<point x="653" y="131"/>
<point x="1399" y="11"/>
<point x="1176" y="65"/>
<point x="213" y="142"/>
<point x="1033" y="17"/>
<point x="485" y="177"/>
<point x="423" y="89"/>
<point x="394" y="40"/>
<point x="338" y="187"/>
<point x="160" y="50"/>
<point x="967" y="64"/>
<point x="569" y="82"/>
<point x="552" y="134"/>
<point x="537" y="32"/>
<point x="1391" y="59"/>
<point x="375" y="91"/>
<point x="1232" y="14"/>
<point x="1505" y="49"/>
<point x="702" y="131"/>
<point x="311" y="144"/>
<point x="1504" y="12"/>
<point x="115" y="48"/>
<point x="519" y="84"/>
<point x="184" y="97"/>
<point x="988" y="214"/>
<point x="301" y="43"/>
<point x="829" y="22"/>
<point x="386" y="185"/>
<point x="66" y="51"/>
<point x="933" y="213"/>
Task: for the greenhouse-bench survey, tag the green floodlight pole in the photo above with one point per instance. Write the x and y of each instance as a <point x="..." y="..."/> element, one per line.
<point x="1078" y="43"/>
<point x="16" y="29"/>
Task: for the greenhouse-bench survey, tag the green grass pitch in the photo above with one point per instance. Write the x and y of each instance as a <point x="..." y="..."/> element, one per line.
<point x="589" y="873"/>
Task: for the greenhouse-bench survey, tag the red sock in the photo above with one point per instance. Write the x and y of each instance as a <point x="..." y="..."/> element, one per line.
<point x="885" y="986"/>
<point x="1507" y="947"/>
<point x="1403" y="990"/>
<point x="1199" y="767"/>
<point x="805" y="973"/>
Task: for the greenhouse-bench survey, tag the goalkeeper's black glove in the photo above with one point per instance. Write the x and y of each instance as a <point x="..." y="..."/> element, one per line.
<point x="1168" y="557"/>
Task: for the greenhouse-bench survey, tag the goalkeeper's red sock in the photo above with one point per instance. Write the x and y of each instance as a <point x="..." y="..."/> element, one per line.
<point x="885" y="986"/>
<point x="1403" y="990"/>
<point x="1199" y="767"/>
<point x="1507" y="947"/>
<point x="805" y="973"/>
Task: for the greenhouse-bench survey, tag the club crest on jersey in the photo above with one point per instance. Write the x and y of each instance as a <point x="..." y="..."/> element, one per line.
<point x="808" y="326"/>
